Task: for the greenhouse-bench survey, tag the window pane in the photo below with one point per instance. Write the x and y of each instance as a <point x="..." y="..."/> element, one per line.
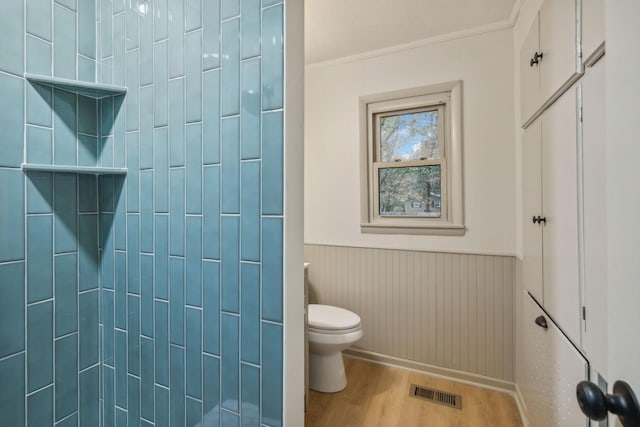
<point x="411" y="136"/>
<point x="409" y="191"/>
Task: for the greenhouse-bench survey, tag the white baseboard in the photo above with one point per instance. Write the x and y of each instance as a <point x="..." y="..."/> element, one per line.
<point x="494" y="384"/>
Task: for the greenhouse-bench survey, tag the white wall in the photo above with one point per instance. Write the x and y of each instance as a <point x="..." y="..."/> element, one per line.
<point x="332" y="192"/>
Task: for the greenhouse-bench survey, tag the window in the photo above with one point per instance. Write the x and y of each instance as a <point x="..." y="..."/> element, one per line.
<point x="411" y="161"/>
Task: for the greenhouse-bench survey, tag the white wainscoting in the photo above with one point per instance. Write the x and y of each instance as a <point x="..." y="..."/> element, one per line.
<point x="454" y="311"/>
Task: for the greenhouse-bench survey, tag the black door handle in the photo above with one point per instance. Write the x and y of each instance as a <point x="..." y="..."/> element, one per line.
<point x="542" y="322"/>
<point x="536" y="59"/>
<point x="595" y="404"/>
<point x="535" y="219"/>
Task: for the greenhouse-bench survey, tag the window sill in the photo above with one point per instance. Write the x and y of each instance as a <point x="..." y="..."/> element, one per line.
<point x="413" y="228"/>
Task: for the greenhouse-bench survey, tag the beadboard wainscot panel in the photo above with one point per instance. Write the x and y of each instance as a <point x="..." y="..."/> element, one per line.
<point x="448" y="310"/>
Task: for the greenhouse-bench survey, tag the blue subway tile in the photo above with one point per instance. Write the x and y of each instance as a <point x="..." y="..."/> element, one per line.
<point x="108" y="396"/>
<point x="250" y="24"/>
<point x="12" y="117"/>
<point x="194" y="261"/>
<point x="193" y="412"/>
<point x="106" y="29"/>
<point x="106" y="106"/>
<point x="90" y="397"/>
<point x="104" y="71"/>
<point x="194" y="168"/>
<point x="39" y="256"/>
<point x="40" y="345"/>
<point x="133" y="403"/>
<point x="230" y="260"/>
<point x="230" y="369"/>
<point x="88" y="329"/>
<point x="40" y="408"/>
<point x="176" y="122"/>
<point x="69" y="4"/>
<point x="161" y="343"/>
<point x="211" y="307"/>
<point x="38" y="56"/>
<point x="272" y="276"/>
<point x="88" y="194"/>
<point x="161" y="252"/>
<point x="250" y="109"/>
<point x="132" y="30"/>
<point x="211" y="212"/>
<point x="39" y="145"/>
<point x="133" y="253"/>
<point x="119" y="39"/>
<point x="146" y="295"/>
<point x="193" y="76"/>
<point x="161" y="169"/>
<point x="119" y="136"/>
<point x="146" y="127"/>
<point x="193" y="14"/>
<point x="65" y="125"/>
<point x="65" y="208"/>
<point x="106" y="152"/>
<point x="87" y="115"/>
<point x="132" y="100"/>
<point x="194" y="352"/>
<point x="162" y="406"/>
<point x="230" y="8"/>
<point x="230" y="419"/>
<point x="12" y="36"/>
<point x="121" y="417"/>
<point x="231" y="165"/>
<point x="160" y="83"/>
<point x="133" y="335"/>
<point x="70" y="421"/>
<point x="250" y="211"/>
<point x="146" y="44"/>
<point x="121" y="368"/>
<point x="250" y="396"/>
<point x="12" y="216"/>
<point x="87" y="30"/>
<point x="211" y="35"/>
<point x="105" y="190"/>
<point x="87" y="150"/>
<point x="121" y="291"/>
<point x="272" y="58"/>
<point x="66" y="294"/>
<point x="39" y="14"/>
<point x="39" y="104"/>
<point x="272" y="164"/>
<point x="86" y="69"/>
<point x="211" y="390"/>
<point x="88" y="252"/>
<point x="231" y="67"/>
<point x="133" y="171"/>
<point x="109" y="325"/>
<point x="12" y="308"/>
<point x="176" y="212"/>
<point x="107" y="255"/>
<point x="12" y="399"/>
<point x="39" y="192"/>
<point x="66" y="376"/>
<point x="211" y="113"/>
<point x="176" y="300"/>
<point x="146" y="378"/>
<point x="64" y="42"/>
<point x="160" y="22"/>
<point x="250" y="309"/>
<point x="272" y="374"/>
<point x="176" y="38"/>
<point x="120" y="216"/>
<point x="176" y="387"/>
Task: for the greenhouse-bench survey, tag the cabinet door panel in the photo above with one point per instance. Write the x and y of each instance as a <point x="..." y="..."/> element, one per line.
<point x="558" y="45"/>
<point x="595" y="224"/>
<point x="532" y="207"/>
<point x="551" y="370"/>
<point x="560" y="209"/>
<point x="592" y="26"/>
<point x="529" y="75"/>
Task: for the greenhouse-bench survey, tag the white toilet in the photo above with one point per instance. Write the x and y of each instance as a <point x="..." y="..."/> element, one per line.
<point x="331" y="330"/>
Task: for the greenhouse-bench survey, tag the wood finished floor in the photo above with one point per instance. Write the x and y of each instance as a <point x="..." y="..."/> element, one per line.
<point x="378" y="396"/>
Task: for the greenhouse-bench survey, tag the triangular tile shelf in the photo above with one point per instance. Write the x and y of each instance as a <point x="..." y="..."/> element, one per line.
<point x="91" y="170"/>
<point x="88" y="89"/>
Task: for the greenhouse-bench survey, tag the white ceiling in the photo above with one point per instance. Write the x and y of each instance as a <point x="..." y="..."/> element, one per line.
<point x="338" y="28"/>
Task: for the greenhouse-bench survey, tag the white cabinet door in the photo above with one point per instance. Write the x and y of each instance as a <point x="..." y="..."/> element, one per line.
<point x="595" y="221"/>
<point x="560" y="62"/>
<point x="560" y="210"/>
<point x="552" y="368"/>
<point x="529" y="74"/>
<point x="532" y="207"/>
<point x="592" y="26"/>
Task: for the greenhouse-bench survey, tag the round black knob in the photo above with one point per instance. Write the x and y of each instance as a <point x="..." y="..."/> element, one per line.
<point x="592" y="401"/>
<point x="535" y="219"/>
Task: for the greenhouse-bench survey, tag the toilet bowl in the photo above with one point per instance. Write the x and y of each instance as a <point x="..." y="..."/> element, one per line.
<point x="331" y="330"/>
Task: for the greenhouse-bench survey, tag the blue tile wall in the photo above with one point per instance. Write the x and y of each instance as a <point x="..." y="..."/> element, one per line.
<point x="163" y="289"/>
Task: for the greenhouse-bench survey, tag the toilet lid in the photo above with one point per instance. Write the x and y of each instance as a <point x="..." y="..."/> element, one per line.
<point x="330" y="317"/>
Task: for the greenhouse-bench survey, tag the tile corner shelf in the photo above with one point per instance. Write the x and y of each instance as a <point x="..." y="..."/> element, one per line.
<point x="91" y="170"/>
<point x="88" y="89"/>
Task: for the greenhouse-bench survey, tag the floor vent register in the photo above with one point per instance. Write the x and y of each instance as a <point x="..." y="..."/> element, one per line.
<point x="436" y="396"/>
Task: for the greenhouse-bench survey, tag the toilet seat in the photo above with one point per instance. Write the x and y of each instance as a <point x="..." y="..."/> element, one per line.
<point x="328" y="319"/>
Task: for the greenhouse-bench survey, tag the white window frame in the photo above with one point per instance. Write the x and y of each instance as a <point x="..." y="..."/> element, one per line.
<point x="447" y="98"/>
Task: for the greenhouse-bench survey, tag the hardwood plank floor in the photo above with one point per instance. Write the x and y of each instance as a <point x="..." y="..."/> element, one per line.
<point x="378" y="396"/>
